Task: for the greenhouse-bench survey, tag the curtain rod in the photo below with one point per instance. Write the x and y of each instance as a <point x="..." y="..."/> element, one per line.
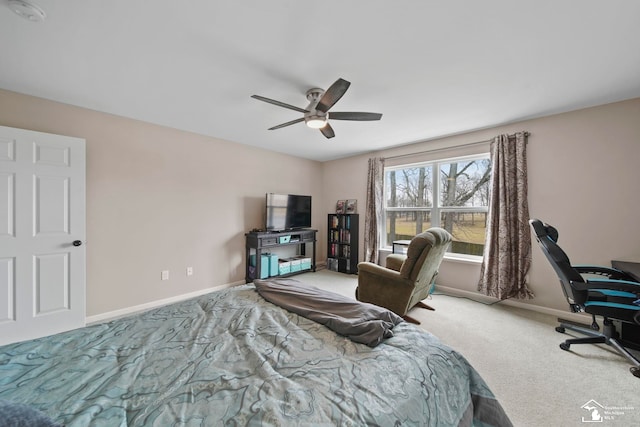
<point x="435" y="150"/>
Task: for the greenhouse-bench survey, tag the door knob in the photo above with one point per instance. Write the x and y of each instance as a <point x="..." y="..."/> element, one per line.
<point x="77" y="243"/>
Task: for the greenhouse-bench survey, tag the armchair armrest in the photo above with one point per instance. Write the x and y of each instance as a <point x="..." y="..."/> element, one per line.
<point x="382" y="273"/>
<point x="611" y="273"/>
<point x="615" y="285"/>
<point x="384" y="287"/>
<point x="394" y="261"/>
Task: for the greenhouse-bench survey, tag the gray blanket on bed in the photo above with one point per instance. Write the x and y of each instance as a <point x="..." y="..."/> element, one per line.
<point x="360" y="322"/>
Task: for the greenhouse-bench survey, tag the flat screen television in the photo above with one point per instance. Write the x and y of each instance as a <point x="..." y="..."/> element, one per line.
<point x="287" y="212"/>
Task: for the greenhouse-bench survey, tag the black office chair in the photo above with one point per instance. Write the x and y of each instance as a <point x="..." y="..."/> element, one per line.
<point x="599" y="291"/>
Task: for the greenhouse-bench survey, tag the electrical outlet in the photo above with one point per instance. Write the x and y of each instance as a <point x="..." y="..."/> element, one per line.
<point x="189" y="271"/>
<point x="164" y="275"/>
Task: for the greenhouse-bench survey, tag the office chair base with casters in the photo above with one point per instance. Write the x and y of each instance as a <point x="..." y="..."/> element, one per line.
<point x="609" y="336"/>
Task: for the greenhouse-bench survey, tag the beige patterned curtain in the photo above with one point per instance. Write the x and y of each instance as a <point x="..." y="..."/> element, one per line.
<point x="507" y="251"/>
<point x="373" y="212"/>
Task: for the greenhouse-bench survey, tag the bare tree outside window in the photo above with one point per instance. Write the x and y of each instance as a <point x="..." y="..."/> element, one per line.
<point x="457" y="201"/>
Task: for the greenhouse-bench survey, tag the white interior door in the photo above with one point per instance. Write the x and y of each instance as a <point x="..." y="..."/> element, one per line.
<point x="42" y="234"/>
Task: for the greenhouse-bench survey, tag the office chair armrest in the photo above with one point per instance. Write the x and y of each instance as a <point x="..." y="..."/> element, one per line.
<point x="615" y="285"/>
<point x="611" y="273"/>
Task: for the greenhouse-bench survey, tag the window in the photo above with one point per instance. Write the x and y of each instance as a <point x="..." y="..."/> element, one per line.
<point x="450" y="193"/>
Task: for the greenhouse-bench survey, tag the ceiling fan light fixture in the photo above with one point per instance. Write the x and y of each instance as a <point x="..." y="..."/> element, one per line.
<point x="27" y="10"/>
<point x="316" y="122"/>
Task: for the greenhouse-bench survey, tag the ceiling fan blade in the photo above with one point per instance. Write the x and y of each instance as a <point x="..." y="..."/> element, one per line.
<point x="353" y="115"/>
<point x="327" y="131"/>
<point x="292" y="122"/>
<point x="332" y="95"/>
<point x="279" y="104"/>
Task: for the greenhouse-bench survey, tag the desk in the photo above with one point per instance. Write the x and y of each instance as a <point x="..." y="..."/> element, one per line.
<point x="631" y="268"/>
<point x="401" y="243"/>
<point x="629" y="332"/>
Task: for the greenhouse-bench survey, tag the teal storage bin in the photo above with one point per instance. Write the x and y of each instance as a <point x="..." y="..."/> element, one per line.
<point x="305" y="263"/>
<point x="264" y="265"/>
<point x="284" y="267"/>
<point x="274" y="269"/>
<point x="284" y="239"/>
<point x="295" y="264"/>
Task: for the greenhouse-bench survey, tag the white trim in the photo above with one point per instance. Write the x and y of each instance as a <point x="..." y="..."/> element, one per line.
<point x="110" y="315"/>
<point x="575" y="317"/>
<point x="452" y="159"/>
<point x="448" y="256"/>
<point x="463" y="258"/>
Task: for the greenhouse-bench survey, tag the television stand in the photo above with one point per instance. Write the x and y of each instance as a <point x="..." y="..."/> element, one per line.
<point x="262" y="242"/>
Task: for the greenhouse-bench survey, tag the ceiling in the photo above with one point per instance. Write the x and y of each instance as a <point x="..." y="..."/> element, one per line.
<point x="432" y="68"/>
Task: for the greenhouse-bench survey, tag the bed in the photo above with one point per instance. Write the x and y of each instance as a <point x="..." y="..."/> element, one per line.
<point x="233" y="358"/>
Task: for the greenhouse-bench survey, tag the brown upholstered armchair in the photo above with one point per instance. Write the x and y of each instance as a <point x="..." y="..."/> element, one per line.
<point x="406" y="280"/>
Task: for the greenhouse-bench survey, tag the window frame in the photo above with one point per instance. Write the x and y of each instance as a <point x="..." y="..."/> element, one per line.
<point x="435" y="210"/>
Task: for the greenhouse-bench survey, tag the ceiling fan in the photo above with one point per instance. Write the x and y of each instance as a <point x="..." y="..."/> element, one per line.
<point x="316" y="115"/>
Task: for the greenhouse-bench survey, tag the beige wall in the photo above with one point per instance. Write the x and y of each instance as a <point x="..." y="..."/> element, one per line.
<point x="583" y="178"/>
<point x="162" y="199"/>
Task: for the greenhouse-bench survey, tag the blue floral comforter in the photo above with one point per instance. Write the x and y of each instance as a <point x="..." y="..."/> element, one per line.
<point x="231" y="358"/>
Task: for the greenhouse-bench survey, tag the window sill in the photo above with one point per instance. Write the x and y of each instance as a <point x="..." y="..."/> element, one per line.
<point x="469" y="259"/>
<point x="465" y="259"/>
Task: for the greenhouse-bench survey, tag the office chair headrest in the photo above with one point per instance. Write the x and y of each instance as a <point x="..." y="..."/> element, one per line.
<point x="552" y="233"/>
<point x="544" y="230"/>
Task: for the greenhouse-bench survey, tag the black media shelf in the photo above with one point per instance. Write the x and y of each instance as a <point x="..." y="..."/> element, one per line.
<point x="262" y="242"/>
<point x="342" y="243"/>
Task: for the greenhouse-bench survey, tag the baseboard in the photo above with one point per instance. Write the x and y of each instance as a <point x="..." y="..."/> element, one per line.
<point x="110" y="315"/>
<point x="576" y="317"/>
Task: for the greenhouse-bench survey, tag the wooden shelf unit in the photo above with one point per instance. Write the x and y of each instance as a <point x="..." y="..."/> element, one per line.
<point x="342" y="243"/>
